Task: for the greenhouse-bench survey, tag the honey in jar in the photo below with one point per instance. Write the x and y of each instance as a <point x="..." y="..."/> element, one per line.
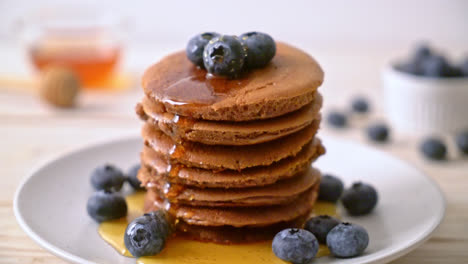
<point x="89" y="52"/>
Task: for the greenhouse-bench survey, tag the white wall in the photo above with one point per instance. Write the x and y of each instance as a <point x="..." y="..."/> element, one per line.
<point x="336" y="23"/>
<point x="352" y="40"/>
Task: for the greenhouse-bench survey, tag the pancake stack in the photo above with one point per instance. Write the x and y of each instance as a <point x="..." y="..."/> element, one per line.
<point x="230" y="159"/>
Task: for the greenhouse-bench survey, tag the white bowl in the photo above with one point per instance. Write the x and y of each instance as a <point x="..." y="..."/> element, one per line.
<point x="425" y="105"/>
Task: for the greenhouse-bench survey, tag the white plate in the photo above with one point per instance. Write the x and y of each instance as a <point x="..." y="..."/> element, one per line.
<point x="50" y="205"/>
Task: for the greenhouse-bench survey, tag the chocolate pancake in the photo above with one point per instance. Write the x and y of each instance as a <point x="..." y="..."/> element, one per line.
<point x="230" y="133"/>
<point x="279" y="193"/>
<point x="230" y="159"/>
<point x="233" y="235"/>
<point x="235" y="216"/>
<point x="286" y="84"/>
<point x="227" y="157"/>
<point x="251" y="177"/>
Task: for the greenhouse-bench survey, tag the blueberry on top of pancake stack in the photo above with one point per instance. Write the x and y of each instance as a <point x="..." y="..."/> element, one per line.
<point x="230" y="133"/>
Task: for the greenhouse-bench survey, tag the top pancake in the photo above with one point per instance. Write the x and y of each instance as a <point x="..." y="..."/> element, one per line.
<point x="284" y="85"/>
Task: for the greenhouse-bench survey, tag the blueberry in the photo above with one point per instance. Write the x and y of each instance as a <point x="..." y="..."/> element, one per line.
<point x="436" y="66"/>
<point x="464" y="67"/>
<point x="409" y="67"/>
<point x="295" y="245"/>
<point x="337" y="119"/>
<point x="360" y="105"/>
<point x="422" y="52"/>
<point x="378" y="132"/>
<point x="320" y="226"/>
<point x="347" y="240"/>
<point x="196" y="45"/>
<point x="261" y="48"/>
<point x="455" y="71"/>
<point x="415" y="65"/>
<point x="132" y="177"/>
<point x="360" y="199"/>
<point x="462" y="142"/>
<point x="331" y="188"/>
<point x="105" y="205"/>
<point x="224" y="56"/>
<point x="107" y="177"/>
<point x="433" y="148"/>
<point x="147" y="234"/>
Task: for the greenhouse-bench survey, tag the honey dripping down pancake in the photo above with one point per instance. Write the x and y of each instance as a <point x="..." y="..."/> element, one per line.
<point x="229" y="133"/>
<point x="218" y="157"/>
<point x="252" y="177"/>
<point x="234" y="216"/>
<point x="279" y="193"/>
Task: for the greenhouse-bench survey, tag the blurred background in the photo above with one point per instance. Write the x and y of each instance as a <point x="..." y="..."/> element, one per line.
<point x="352" y="40"/>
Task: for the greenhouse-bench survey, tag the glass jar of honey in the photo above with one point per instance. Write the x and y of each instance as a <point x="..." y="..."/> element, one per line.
<point x="82" y="40"/>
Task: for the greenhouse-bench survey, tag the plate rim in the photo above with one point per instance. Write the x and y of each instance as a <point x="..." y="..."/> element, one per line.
<point x="401" y="250"/>
<point x="32" y="172"/>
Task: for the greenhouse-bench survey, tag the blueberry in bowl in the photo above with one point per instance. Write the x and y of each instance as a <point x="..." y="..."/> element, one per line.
<point x="107" y="177"/>
<point x="436" y="66"/>
<point x="224" y="56"/>
<point x="427" y="62"/>
<point x="421" y="52"/>
<point x="105" y="205"/>
<point x="414" y="64"/>
<point x="464" y="67"/>
<point x="261" y="48"/>
<point x="425" y="93"/>
<point x="409" y="67"/>
<point x="196" y="45"/>
<point x="462" y="142"/>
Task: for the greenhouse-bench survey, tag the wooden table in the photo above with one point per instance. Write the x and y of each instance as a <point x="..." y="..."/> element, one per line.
<point x="31" y="133"/>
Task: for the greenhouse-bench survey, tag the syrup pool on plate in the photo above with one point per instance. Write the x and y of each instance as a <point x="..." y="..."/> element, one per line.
<point x="181" y="251"/>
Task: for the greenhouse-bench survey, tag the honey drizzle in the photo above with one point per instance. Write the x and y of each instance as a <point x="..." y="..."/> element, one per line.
<point x="172" y="170"/>
<point x="166" y="205"/>
<point x="171" y="190"/>
<point x="183" y="121"/>
<point x="180" y="125"/>
<point x="177" y="151"/>
<point x="193" y="85"/>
